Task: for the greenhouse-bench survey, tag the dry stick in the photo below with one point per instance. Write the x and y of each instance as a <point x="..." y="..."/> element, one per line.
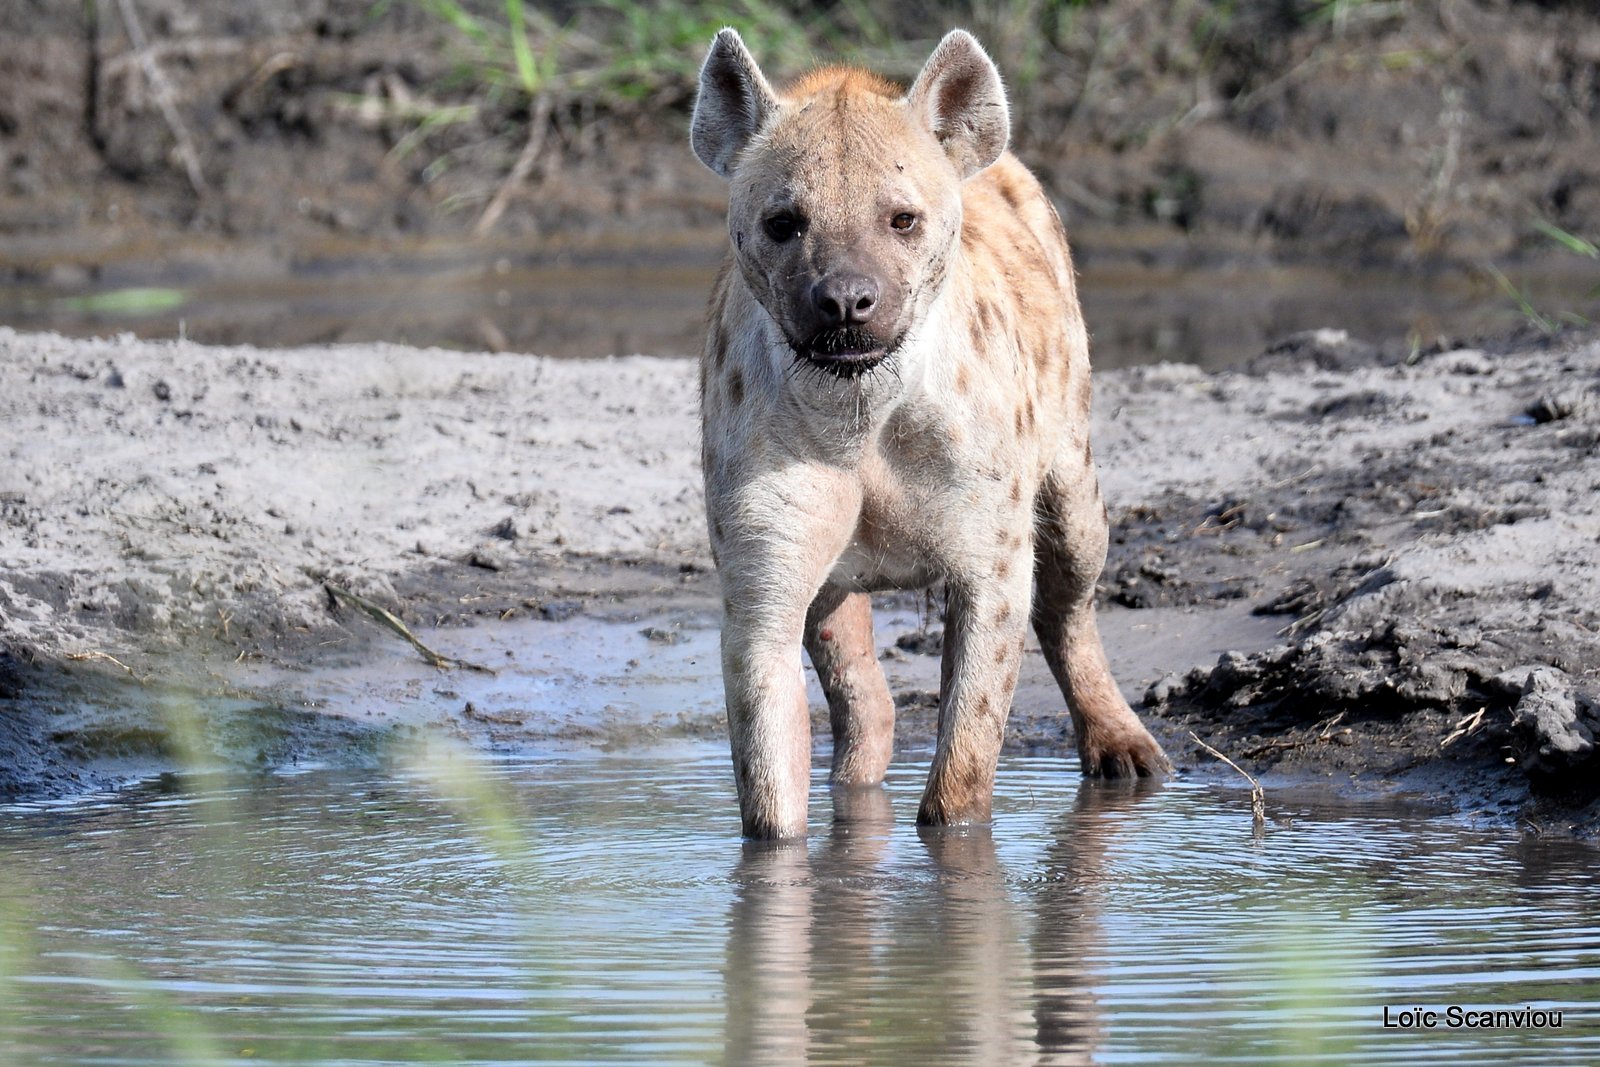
<point x="1465" y="727"/>
<point x="392" y="622"/>
<point x="538" y="123"/>
<point x="193" y="49"/>
<point x="163" y="95"/>
<point x="108" y="658"/>
<point x="1283" y="746"/>
<point x="1258" y="796"/>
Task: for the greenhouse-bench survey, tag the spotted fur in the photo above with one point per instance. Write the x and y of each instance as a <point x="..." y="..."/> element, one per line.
<point x="956" y="450"/>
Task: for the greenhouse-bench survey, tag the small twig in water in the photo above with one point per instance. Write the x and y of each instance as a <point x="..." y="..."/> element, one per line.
<point x="388" y="619"/>
<point x="1258" y="796"/>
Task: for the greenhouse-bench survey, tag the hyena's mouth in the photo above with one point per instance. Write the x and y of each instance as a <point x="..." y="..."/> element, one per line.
<point x="845" y="352"/>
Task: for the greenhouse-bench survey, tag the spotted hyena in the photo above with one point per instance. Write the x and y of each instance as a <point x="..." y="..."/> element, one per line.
<point x="895" y="391"/>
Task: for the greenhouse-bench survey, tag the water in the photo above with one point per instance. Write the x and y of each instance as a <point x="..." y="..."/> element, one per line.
<point x="617" y="302"/>
<point x="602" y="909"/>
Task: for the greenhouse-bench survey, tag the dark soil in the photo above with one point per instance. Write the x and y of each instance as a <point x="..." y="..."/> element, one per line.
<point x="1412" y="133"/>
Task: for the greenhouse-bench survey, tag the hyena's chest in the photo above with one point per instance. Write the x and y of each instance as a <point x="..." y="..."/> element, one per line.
<point x="927" y="512"/>
<point x="885" y="552"/>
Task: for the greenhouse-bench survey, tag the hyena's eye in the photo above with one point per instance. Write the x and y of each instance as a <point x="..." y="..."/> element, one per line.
<point x="781" y="227"/>
<point x="904" y="222"/>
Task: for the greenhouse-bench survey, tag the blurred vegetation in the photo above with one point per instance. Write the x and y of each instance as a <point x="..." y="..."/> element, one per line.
<point x="619" y="51"/>
<point x="1526" y="304"/>
<point x="522" y="68"/>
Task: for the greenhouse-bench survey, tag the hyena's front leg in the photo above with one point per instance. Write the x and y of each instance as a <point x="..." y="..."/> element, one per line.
<point x="769" y="724"/>
<point x="984" y="626"/>
<point x="860" y="709"/>
<point x="772" y="561"/>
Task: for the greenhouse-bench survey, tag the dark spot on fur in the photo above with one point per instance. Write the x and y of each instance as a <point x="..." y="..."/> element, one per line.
<point x="1002" y="569"/>
<point x="1016" y="489"/>
<point x="1088" y="451"/>
<point x="977" y="334"/>
<point x="1003" y="614"/>
<point x="1009" y="192"/>
<point x="1001" y="654"/>
<point x="719" y="347"/>
<point x="736" y="386"/>
<point x="963" y="380"/>
<point x="986" y="315"/>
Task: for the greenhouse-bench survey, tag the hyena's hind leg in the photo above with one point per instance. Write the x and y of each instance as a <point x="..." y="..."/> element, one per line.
<point x="839" y="640"/>
<point x="1070" y="551"/>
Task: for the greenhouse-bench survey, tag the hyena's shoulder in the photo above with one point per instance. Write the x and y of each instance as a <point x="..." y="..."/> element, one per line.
<point x="1012" y="233"/>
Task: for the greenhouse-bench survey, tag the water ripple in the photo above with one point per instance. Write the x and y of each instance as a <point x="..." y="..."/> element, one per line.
<point x="602" y="909"/>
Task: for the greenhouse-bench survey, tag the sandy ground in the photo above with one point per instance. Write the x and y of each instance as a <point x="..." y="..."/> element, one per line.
<point x="1342" y="561"/>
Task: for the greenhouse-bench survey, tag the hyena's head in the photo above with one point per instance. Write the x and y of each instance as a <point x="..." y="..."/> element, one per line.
<point x="845" y="192"/>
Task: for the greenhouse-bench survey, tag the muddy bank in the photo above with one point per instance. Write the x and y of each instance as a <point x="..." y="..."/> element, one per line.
<point x="1426" y="535"/>
<point x="1373" y="564"/>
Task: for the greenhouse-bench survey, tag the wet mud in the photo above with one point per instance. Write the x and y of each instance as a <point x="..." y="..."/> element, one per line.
<point x="1373" y="566"/>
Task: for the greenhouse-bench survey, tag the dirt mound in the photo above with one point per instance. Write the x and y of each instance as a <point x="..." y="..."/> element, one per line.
<point x="1446" y="599"/>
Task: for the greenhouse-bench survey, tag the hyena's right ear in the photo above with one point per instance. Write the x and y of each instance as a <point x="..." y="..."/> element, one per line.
<point x="959" y="97"/>
<point x="733" y="104"/>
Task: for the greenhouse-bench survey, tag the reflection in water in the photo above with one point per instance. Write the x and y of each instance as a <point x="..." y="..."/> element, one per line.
<point x="768" y="978"/>
<point x="824" y="966"/>
<point x="600" y="910"/>
<point x="653" y="302"/>
<point x="1073" y="887"/>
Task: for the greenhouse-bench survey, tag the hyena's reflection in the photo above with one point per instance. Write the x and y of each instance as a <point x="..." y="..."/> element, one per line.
<point x="767" y="981"/>
<point x="875" y="946"/>
<point x="1069" y="1025"/>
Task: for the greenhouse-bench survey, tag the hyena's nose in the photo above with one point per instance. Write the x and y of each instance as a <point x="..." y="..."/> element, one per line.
<point x="846" y="299"/>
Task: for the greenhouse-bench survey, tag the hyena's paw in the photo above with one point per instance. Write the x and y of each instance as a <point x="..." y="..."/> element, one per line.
<point x="1125" y="751"/>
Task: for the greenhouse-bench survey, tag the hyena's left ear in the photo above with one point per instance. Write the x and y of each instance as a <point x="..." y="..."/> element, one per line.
<point x="959" y="97"/>
<point x="734" y="103"/>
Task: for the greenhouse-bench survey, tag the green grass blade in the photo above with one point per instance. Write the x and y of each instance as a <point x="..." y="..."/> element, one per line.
<point x="134" y="301"/>
<point x="453" y="13"/>
<point x="1570" y="241"/>
<point x="527" y="71"/>
<point x="1520" y="298"/>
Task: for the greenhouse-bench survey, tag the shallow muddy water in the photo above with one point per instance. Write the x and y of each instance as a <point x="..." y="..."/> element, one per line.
<point x="601" y="908"/>
<point x="653" y="302"/>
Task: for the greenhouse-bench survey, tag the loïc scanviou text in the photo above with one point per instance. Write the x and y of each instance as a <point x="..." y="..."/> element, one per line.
<point x="1457" y="1017"/>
